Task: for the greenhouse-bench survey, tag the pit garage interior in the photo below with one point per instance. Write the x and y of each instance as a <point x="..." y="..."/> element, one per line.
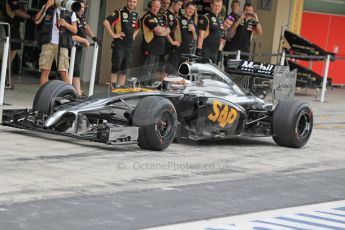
<point x="297" y="16"/>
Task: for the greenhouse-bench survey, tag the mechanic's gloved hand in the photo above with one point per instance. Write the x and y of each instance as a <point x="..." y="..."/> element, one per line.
<point x="95" y="39"/>
<point x="198" y="52"/>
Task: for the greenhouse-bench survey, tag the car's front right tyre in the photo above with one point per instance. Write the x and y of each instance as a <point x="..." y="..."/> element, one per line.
<point x="45" y="100"/>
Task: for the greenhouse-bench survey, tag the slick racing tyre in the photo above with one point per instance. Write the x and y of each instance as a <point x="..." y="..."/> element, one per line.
<point x="157" y="121"/>
<point x="44" y="101"/>
<point x="292" y="123"/>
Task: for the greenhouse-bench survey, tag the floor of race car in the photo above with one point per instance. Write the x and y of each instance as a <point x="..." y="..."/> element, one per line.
<point x="54" y="182"/>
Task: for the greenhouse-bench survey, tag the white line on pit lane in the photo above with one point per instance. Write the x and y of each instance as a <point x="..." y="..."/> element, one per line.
<point x="318" y="216"/>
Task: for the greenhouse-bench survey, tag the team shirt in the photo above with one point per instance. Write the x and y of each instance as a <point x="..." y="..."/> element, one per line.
<point x="10" y="16"/>
<point x="242" y="37"/>
<point x="214" y="30"/>
<point x="81" y="23"/>
<point x="170" y="20"/>
<point x="124" y="21"/>
<point x="153" y="44"/>
<point x="182" y="34"/>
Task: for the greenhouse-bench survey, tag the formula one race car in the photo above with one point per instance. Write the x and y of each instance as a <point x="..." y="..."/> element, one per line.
<point x="202" y="102"/>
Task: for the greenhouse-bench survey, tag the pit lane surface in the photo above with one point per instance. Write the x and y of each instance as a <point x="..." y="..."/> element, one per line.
<point x="53" y="182"/>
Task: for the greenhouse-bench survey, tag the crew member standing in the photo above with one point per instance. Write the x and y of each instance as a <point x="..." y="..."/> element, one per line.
<point x="126" y="27"/>
<point x="170" y="16"/>
<point x="57" y="28"/>
<point x="14" y="13"/>
<point x="210" y="32"/>
<point x="165" y="6"/>
<point x="84" y="30"/>
<point x="155" y="32"/>
<point x="186" y="33"/>
<point x="243" y="28"/>
<point x="171" y="20"/>
<point x="183" y="11"/>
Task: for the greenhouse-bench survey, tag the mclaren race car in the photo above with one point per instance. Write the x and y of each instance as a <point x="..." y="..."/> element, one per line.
<point x="201" y="102"/>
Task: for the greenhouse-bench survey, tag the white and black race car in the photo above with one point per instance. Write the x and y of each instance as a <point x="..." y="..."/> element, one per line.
<point x="201" y="103"/>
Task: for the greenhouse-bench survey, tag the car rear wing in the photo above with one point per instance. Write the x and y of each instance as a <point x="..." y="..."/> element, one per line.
<point x="284" y="80"/>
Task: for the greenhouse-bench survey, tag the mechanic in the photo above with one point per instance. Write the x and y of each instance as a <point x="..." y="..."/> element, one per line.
<point x="165" y="6"/>
<point x="235" y="9"/>
<point x="14" y="12"/>
<point x="229" y="20"/>
<point x="57" y="28"/>
<point x="243" y="28"/>
<point x="126" y="27"/>
<point x="186" y="33"/>
<point x="170" y="17"/>
<point x="84" y="30"/>
<point x="182" y="11"/>
<point x="228" y="31"/>
<point x="155" y="31"/>
<point x="211" y="30"/>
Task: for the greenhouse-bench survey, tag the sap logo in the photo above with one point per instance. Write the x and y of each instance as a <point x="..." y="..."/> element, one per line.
<point x="223" y="114"/>
<point x="262" y="66"/>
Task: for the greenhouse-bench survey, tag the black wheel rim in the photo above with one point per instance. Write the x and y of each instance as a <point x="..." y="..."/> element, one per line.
<point x="164" y="125"/>
<point x="303" y="125"/>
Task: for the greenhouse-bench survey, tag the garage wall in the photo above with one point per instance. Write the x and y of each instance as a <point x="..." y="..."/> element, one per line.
<point x="329" y="35"/>
<point x="271" y="22"/>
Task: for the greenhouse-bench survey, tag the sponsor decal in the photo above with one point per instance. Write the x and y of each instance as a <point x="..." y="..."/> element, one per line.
<point x="171" y="17"/>
<point x="125" y="15"/>
<point x="223" y="114"/>
<point x="214" y="19"/>
<point x="184" y="22"/>
<point x="131" y="90"/>
<point x="257" y="67"/>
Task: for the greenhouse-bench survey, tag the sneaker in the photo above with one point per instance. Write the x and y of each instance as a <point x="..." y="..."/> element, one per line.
<point x="115" y="85"/>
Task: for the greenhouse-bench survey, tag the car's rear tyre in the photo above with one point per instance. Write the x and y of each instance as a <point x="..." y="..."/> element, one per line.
<point x="157" y="121"/>
<point x="292" y="123"/>
<point x="44" y="101"/>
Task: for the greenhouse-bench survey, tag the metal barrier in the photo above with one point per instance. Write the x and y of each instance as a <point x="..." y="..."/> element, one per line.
<point x="72" y="62"/>
<point x="4" y="62"/>
<point x="93" y="69"/>
<point x="325" y="76"/>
